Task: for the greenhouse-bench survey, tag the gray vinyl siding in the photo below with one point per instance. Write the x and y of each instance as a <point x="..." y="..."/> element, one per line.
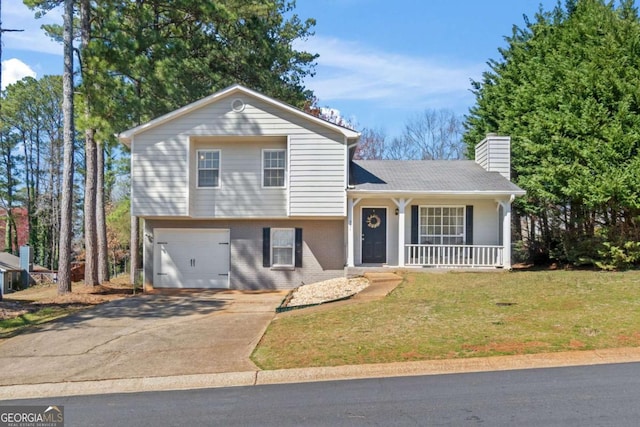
<point x="323" y="251"/>
<point x="494" y="154"/>
<point x="163" y="173"/>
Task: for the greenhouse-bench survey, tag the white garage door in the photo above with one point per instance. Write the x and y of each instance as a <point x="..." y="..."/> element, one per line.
<point x="191" y="258"/>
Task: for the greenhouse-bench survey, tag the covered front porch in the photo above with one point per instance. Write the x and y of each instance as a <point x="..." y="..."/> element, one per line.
<point x="441" y="231"/>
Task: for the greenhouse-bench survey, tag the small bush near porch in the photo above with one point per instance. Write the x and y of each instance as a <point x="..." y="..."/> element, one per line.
<point x="456" y="315"/>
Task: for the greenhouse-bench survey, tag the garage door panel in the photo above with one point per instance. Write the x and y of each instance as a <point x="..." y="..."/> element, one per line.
<point x="191" y="258"/>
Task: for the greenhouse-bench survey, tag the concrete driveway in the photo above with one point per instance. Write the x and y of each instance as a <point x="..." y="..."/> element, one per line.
<point x="145" y="336"/>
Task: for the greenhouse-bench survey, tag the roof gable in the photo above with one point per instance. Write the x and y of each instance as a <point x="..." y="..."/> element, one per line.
<point x="127" y="136"/>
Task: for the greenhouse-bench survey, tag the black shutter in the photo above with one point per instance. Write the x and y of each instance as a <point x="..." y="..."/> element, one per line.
<point x="415" y="218"/>
<point x="266" y="247"/>
<point x="468" y="238"/>
<point x="298" y="248"/>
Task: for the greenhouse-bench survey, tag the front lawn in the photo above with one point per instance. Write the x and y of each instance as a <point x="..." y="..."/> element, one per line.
<point x="41" y="303"/>
<point x="460" y="314"/>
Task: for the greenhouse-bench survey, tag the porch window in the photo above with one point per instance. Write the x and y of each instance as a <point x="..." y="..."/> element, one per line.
<point x="442" y="225"/>
<point x="273" y="168"/>
<point x="208" y="168"/>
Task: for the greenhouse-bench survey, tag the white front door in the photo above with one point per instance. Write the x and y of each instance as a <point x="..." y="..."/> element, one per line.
<point x="191" y="258"/>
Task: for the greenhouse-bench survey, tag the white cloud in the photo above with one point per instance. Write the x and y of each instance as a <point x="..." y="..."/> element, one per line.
<point x="17" y="16"/>
<point x="352" y="71"/>
<point x="14" y="70"/>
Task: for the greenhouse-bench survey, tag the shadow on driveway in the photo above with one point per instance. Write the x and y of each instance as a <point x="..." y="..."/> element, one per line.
<point x="147" y="335"/>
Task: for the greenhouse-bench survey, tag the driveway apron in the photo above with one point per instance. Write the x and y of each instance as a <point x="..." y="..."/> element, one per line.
<point x="146" y="336"/>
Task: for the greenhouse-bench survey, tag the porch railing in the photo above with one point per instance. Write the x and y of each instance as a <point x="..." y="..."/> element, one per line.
<point x="454" y="255"/>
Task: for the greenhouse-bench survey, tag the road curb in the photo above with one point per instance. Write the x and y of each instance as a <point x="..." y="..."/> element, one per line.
<point x="450" y="366"/>
<point x="332" y="373"/>
<point x="127" y="385"/>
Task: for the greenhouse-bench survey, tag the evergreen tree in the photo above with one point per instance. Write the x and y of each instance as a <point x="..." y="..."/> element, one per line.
<point x="66" y="204"/>
<point x="565" y="89"/>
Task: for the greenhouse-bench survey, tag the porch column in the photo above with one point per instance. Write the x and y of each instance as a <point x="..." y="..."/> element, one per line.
<point x="351" y="203"/>
<point x="401" y="204"/>
<point x="401" y="207"/>
<point x="506" y="233"/>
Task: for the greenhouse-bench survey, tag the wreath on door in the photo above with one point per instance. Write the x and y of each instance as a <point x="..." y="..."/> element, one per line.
<point x="373" y="221"/>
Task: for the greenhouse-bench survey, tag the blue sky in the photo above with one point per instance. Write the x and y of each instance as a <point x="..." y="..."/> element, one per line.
<point x="380" y="63"/>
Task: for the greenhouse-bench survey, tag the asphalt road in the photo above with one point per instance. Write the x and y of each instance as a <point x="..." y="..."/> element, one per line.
<point x="604" y="395"/>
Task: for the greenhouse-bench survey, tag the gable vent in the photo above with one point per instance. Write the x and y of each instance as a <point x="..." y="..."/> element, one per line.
<point x="237" y="105"/>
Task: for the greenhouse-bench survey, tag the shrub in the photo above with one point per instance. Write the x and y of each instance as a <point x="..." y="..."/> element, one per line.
<point x="614" y="257"/>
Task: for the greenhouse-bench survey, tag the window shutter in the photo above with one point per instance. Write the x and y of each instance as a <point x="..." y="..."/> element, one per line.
<point x="415" y="218"/>
<point x="266" y="247"/>
<point x="298" y="248"/>
<point x="468" y="238"/>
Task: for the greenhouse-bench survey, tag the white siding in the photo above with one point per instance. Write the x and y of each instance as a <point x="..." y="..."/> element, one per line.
<point x="158" y="177"/>
<point x="317" y="176"/>
<point x="163" y="173"/>
<point x="494" y="154"/>
<point x="240" y="194"/>
<point x="481" y="154"/>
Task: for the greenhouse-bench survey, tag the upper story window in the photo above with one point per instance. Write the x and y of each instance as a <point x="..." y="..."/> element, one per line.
<point x="274" y="166"/>
<point x="442" y="225"/>
<point x="208" y="168"/>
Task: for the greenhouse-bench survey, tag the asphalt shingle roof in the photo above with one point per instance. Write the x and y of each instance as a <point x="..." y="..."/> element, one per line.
<point x="425" y="176"/>
<point x="9" y="262"/>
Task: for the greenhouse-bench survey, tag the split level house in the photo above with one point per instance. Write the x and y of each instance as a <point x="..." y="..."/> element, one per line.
<point x="242" y="191"/>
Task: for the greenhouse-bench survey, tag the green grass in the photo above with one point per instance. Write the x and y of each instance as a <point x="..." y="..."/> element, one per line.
<point x="456" y="315"/>
<point x="9" y="327"/>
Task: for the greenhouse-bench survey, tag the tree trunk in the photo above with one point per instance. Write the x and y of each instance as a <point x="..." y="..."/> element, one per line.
<point x="90" y="188"/>
<point x="66" y="205"/>
<point x="8" y="231"/>
<point x="90" y="230"/>
<point x="101" y="221"/>
<point x="135" y="242"/>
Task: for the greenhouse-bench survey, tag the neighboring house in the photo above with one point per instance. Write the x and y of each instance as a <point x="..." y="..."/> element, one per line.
<point x="241" y="191"/>
<point x="15" y="271"/>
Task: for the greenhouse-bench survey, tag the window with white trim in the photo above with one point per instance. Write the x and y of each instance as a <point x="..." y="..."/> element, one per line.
<point x="208" y="168"/>
<point x="274" y="166"/>
<point x="442" y="225"/>
<point x="283" y="247"/>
